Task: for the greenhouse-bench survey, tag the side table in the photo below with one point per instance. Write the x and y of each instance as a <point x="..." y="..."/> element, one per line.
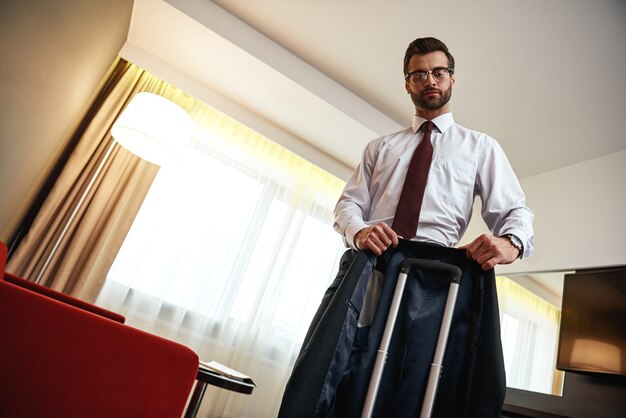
<point x="206" y="377"/>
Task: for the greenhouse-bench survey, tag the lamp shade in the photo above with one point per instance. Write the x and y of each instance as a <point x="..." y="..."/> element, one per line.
<point x="153" y="128"/>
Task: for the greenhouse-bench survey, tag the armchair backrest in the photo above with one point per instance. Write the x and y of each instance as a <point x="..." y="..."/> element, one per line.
<point x="61" y="361"/>
<point x="62" y="297"/>
<point x="51" y="293"/>
<point x="61" y="357"/>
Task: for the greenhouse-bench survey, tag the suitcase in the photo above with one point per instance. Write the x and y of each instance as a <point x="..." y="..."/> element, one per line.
<point x="436" y="366"/>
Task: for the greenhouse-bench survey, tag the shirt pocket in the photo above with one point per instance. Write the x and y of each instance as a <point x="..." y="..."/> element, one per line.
<point x="453" y="180"/>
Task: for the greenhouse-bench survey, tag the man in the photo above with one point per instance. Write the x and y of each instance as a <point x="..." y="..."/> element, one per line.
<point x="465" y="164"/>
<point x="376" y="208"/>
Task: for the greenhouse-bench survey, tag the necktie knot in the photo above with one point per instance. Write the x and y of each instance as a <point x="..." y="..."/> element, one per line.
<point x="427" y="126"/>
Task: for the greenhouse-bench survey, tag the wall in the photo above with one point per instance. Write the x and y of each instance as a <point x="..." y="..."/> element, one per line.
<point x="54" y="54"/>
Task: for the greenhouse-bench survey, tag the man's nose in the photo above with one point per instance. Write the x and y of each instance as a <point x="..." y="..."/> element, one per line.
<point x="430" y="79"/>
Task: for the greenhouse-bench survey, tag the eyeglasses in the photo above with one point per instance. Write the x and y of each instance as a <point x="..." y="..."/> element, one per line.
<point x="439" y="74"/>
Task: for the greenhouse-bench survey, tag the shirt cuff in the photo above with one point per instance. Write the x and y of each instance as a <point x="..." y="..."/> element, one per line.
<point x="351" y="230"/>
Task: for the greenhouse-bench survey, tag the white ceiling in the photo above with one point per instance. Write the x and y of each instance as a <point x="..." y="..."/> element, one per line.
<point x="545" y="78"/>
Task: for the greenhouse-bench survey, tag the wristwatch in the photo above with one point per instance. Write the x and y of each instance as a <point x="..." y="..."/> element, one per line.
<point x="516" y="242"/>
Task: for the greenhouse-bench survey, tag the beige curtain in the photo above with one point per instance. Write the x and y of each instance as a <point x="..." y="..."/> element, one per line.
<point x="76" y="235"/>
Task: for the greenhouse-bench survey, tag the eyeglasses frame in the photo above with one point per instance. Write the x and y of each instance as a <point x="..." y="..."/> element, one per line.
<point x="410" y="75"/>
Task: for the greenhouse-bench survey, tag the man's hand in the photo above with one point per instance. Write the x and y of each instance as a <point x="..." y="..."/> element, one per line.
<point x="376" y="238"/>
<point x="488" y="251"/>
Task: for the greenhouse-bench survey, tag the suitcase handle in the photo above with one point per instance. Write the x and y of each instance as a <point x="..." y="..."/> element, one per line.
<point x="436" y="368"/>
<point x="453" y="271"/>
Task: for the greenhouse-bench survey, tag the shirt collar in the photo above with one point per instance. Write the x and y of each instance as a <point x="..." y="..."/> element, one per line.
<point x="442" y="122"/>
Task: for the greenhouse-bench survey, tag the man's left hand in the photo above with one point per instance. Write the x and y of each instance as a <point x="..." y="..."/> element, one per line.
<point x="488" y="251"/>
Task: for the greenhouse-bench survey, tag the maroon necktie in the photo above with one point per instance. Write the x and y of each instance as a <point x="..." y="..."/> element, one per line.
<point x="410" y="204"/>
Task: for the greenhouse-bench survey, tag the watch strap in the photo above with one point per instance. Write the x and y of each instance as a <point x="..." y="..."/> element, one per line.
<point x="516" y="242"/>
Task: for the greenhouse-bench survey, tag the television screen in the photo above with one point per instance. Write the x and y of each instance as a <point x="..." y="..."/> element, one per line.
<point x="592" y="337"/>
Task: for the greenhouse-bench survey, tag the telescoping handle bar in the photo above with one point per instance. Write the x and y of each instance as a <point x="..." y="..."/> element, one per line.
<point x="436" y="367"/>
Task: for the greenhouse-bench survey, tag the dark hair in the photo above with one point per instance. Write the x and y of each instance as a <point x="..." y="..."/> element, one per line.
<point x="424" y="45"/>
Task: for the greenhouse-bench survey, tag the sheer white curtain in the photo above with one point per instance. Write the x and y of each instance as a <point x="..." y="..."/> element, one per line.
<point x="529" y="330"/>
<point x="230" y="255"/>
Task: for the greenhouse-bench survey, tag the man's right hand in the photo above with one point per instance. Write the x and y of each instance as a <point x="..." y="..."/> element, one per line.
<point x="376" y="238"/>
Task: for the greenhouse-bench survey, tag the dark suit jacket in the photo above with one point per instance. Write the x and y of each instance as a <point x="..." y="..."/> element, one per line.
<point x="331" y="375"/>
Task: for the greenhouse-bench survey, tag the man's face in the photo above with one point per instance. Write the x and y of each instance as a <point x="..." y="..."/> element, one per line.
<point x="430" y="96"/>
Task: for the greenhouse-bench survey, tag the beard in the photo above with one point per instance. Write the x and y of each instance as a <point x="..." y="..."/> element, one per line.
<point x="428" y="103"/>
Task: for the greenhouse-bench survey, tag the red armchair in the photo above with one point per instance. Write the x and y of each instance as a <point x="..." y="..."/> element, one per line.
<point x="61" y="357"/>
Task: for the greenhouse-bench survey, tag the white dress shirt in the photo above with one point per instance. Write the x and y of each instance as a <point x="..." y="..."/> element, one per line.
<point x="465" y="164"/>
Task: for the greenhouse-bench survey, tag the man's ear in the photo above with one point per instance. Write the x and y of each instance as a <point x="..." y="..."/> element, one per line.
<point x="453" y="80"/>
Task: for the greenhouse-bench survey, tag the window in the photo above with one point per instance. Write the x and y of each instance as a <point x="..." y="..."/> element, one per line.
<point x="529" y="331"/>
<point x="230" y="254"/>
